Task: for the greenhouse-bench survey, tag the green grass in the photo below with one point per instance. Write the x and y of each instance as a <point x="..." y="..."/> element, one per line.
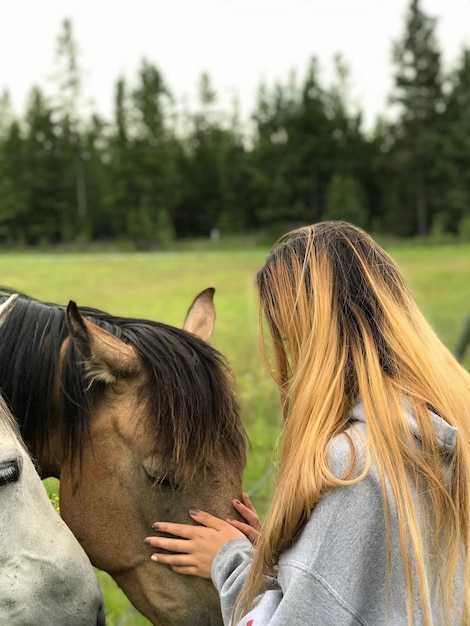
<point x="162" y="286"/>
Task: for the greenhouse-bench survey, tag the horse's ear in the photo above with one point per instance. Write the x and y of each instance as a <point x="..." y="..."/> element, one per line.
<point x="107" y="358"/>
<point x="200" y="318"/>
<point x="6" y="306"/>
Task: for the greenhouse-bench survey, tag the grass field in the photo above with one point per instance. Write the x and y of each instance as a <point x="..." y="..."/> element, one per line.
<point x="162" y="286"/>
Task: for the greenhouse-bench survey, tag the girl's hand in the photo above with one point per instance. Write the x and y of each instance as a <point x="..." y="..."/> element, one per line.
<point x="195" y="547"/>
<point x="247" y="511"/>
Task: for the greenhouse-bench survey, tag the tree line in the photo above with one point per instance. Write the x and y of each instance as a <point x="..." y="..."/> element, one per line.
<point x="156" y="172"/>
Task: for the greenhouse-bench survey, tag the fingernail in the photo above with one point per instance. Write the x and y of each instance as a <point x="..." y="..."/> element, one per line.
<point x="154" y="557"/>
<point x="237" y="501"/>
<point x="147" y="541"/>
<point x="193" y="511"/>
<point x="155" y="526"/>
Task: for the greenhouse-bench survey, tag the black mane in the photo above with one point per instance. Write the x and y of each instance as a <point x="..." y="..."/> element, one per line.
<point x="187" y="386"/>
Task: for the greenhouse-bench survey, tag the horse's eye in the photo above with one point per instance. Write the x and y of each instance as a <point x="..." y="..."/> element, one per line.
<point x="9" y="471"/>
<point x="163" y="482"/>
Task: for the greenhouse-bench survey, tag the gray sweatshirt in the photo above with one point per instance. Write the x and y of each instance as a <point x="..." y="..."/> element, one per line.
<point x="335" y="573"/>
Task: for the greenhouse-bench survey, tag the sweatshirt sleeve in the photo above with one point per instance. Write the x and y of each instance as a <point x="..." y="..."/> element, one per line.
<point x="277" y="606"/>
<point x="229" y="571"/>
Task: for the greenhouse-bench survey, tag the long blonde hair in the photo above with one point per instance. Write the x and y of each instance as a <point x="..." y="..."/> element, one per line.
<point x="344" y="326"/>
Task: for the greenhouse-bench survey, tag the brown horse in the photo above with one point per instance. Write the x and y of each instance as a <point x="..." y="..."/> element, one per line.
<point x="138" y="420"/>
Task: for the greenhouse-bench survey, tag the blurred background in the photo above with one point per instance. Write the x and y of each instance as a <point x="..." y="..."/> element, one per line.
<point x="143" y="124"/>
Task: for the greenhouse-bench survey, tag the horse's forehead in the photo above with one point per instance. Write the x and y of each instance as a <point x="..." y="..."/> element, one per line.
<point x="9" y="449"/>
<point x="8" y="439"/>
<point x="122" y="410"/>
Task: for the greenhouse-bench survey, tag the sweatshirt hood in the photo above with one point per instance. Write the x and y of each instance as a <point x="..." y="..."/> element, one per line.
<point x="445" y="433"/>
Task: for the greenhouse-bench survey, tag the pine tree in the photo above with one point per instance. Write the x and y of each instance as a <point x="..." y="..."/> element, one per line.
<point x="201" y="199"/>
<point x="453" y="162"/>
<point x="14" y="190"/>
<point x="418" y="95"/>
<point x="69" y="81"/>
<point x="43" y="168"/>
<point x="345" y="201"/>
<point x="154" y="175"/>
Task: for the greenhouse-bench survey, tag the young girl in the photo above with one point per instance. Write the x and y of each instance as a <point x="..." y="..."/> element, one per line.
<point x="369" y="522"/>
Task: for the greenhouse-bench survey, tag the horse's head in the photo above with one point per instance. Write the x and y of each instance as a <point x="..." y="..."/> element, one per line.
<point x="164" y="436"/>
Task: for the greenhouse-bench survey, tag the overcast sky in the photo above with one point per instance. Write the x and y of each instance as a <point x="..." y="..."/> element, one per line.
<point x="238" y="42"/>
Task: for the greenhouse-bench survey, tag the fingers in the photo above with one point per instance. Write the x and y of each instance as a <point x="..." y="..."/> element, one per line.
<point x="172" y="528"/>
<point x="189" y="531"/>
<point x="165" y="543"/>
<point x="192" y="548"/>
<point x="184" y="556"/>
<point x="248" y="512"/>
<point x="247" y="502"/>
<point x="206" y="519"/>
<point x="250" y="532"/>
<point x="183" y="564"/>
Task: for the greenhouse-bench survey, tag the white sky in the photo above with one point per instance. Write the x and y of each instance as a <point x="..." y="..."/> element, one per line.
<point x="238" y="42"/>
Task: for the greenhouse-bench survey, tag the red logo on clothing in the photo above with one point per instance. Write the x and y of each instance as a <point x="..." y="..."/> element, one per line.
<point x="250" y="623"/>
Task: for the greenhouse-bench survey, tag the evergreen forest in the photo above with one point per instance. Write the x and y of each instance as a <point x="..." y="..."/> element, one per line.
<point x="159" y="172"/>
